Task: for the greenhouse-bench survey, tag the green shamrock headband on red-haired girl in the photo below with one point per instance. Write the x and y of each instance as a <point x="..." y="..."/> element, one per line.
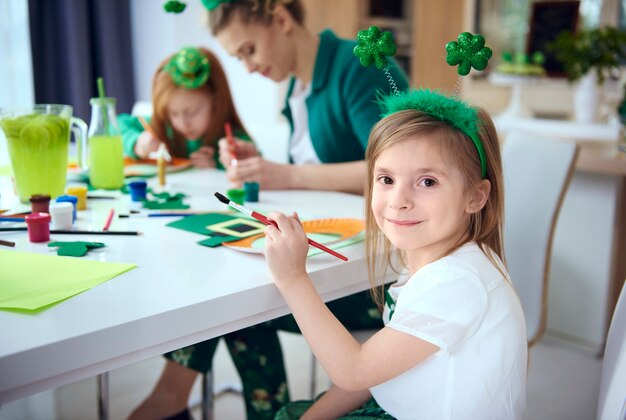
<point x="189" y="68"/>
<point x="373" y="47"/>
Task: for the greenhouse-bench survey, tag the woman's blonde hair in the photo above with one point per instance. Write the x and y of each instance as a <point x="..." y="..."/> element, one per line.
<point x="257" y="11"/>
<point x="485" y="226"/>
<point x="215" y="88"/>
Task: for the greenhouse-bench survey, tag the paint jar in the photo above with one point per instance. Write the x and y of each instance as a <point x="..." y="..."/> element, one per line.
<point x="236" y="194"/>
<point x="62" y="215"/>
<point x="138" y="190"/>
<point x="80" y="193"/>
<point x="251" y="192"/>
<point x="69" y="199"/>
<point x="39" y="203"/>
<point x="38" y="225"/>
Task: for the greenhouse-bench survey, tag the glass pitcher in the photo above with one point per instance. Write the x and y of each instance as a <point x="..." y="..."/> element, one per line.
<point x="106" y="156"/>
<point x="38" y="140"/>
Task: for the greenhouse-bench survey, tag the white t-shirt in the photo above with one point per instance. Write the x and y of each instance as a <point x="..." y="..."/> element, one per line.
<point x="462" y="304"/>
<point x="301" y="148"/>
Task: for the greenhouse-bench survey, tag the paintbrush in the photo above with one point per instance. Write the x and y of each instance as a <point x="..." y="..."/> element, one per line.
<point x="267" y="221"/>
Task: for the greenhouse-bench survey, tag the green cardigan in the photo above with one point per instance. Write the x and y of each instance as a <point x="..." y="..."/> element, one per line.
<point x="131" y="128"/>
<point x="342" y="105"/>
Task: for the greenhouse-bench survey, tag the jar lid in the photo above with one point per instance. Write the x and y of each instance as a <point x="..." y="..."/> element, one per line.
<point x="39" y="198"/>
<point x="67" y="198"/>
<point x="76" y="190"/>
<point x="138" y="184"/>
<point x="37" y="218"/>
<point x="61" y="207"/>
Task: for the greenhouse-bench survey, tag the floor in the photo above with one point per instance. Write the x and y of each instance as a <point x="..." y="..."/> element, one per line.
<point x="563" y="384"/>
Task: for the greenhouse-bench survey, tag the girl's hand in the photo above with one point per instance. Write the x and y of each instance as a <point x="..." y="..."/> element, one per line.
<point x="286" y="248"/>
<point x="269" y="175"/>
<point x="203" y="157"/>
<point x="243" y="150"/>
<point x="146" y="144"/>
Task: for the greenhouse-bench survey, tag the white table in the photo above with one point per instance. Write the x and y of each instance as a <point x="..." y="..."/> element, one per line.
<point x="180" y="293"/>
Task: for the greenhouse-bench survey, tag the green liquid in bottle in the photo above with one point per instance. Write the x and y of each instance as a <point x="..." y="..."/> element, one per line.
<point x="38" y="147"/>
<point x="106" y="162"/>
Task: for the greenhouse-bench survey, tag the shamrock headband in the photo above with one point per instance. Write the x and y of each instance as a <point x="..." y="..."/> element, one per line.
<point x="189" y="68"/>
<point x="453" y="111"/>
<point x="174" y="6"/>
<point x="373" y="47"/>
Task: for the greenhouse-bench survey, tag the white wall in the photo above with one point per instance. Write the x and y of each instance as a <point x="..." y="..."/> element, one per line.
<point x="157" y="34"/>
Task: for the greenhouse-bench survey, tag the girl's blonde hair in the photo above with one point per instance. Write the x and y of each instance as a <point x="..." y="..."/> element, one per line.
<point x="485" y="226"/>
<point x="257" y="11"/>
<point x="215" y="88"/>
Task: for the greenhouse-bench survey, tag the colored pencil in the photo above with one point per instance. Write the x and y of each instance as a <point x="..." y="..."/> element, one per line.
<point x="125" y="216"/>
<point x="12" y="219"/>
<point x="265" y="220"/>
<point x="101" y="197"/>
<point x="109" y="219"/>
<point x="231" y="142"/>
<point x="77" y="232"/>
<point x="147" y="126"/>
<point x="7" y="243"/>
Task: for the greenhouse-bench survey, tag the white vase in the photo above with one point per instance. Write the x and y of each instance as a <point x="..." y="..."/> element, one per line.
<point x="587" y="98"/>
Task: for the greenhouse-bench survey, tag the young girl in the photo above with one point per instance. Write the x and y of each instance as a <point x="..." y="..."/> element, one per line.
<point x="454" y="343"/>
<point x="191" y="102"/>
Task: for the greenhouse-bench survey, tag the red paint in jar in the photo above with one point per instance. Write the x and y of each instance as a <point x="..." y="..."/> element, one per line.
<point x="38" y="227"/>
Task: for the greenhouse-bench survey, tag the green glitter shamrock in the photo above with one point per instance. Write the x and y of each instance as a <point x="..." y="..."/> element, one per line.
<point x="212" y="4"/>
<point x="468" y="52"/>
<point x="190" y="68"/>
<point x="174" y="6"/>
<point x="373" y="45"/>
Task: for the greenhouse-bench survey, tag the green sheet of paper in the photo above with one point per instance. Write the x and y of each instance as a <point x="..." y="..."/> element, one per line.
<point x="32" y="281"/>
<point x="199" y="223"/>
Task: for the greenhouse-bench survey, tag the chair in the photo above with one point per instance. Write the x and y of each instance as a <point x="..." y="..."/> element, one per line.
<point x="612" y="397"/>
<point x="537" y="173"/>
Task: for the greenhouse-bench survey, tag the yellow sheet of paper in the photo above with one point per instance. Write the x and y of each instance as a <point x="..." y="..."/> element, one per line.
<point x="31" y="281"/>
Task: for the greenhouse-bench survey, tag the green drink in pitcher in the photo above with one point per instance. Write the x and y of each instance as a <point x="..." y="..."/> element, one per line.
<point x="106" y="162"/>
<point x="106" y="156"/>
<point x="38" y="144"/>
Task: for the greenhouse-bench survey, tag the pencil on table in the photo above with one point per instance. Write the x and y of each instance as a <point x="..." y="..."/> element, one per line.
<point x="108" y="220"/>
<point x="7" y="243"/>
<point x="77" y="232"/>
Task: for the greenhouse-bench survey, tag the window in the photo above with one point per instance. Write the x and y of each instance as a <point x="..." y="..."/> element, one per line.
<point x="16" y="75"/>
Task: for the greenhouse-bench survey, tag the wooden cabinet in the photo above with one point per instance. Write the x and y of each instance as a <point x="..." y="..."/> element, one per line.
<point x="422" y="29"/>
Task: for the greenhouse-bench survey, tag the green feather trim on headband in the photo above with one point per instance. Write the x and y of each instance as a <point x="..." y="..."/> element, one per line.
<point x="453" y="111"/>
<point x="212" y="4"/>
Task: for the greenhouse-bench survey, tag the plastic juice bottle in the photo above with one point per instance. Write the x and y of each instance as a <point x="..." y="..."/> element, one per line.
<point x="106" y="156"/>
<point x="38" y="147"/>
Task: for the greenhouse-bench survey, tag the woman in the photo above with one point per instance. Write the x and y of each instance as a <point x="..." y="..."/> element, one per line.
<point x="331" y="107"/>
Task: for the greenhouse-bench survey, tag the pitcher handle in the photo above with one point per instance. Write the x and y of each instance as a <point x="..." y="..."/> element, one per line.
<point x="79" y="128"/>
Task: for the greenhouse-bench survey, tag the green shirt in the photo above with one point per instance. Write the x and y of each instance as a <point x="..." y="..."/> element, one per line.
<point x="342" y="105"/>
<point x="131" y="128"/>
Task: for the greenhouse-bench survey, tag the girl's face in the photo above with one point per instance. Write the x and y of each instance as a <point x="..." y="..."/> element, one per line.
<point x="267" y="50"/>
<point x="419" y="200"/>
<point x="189" y="112"/>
